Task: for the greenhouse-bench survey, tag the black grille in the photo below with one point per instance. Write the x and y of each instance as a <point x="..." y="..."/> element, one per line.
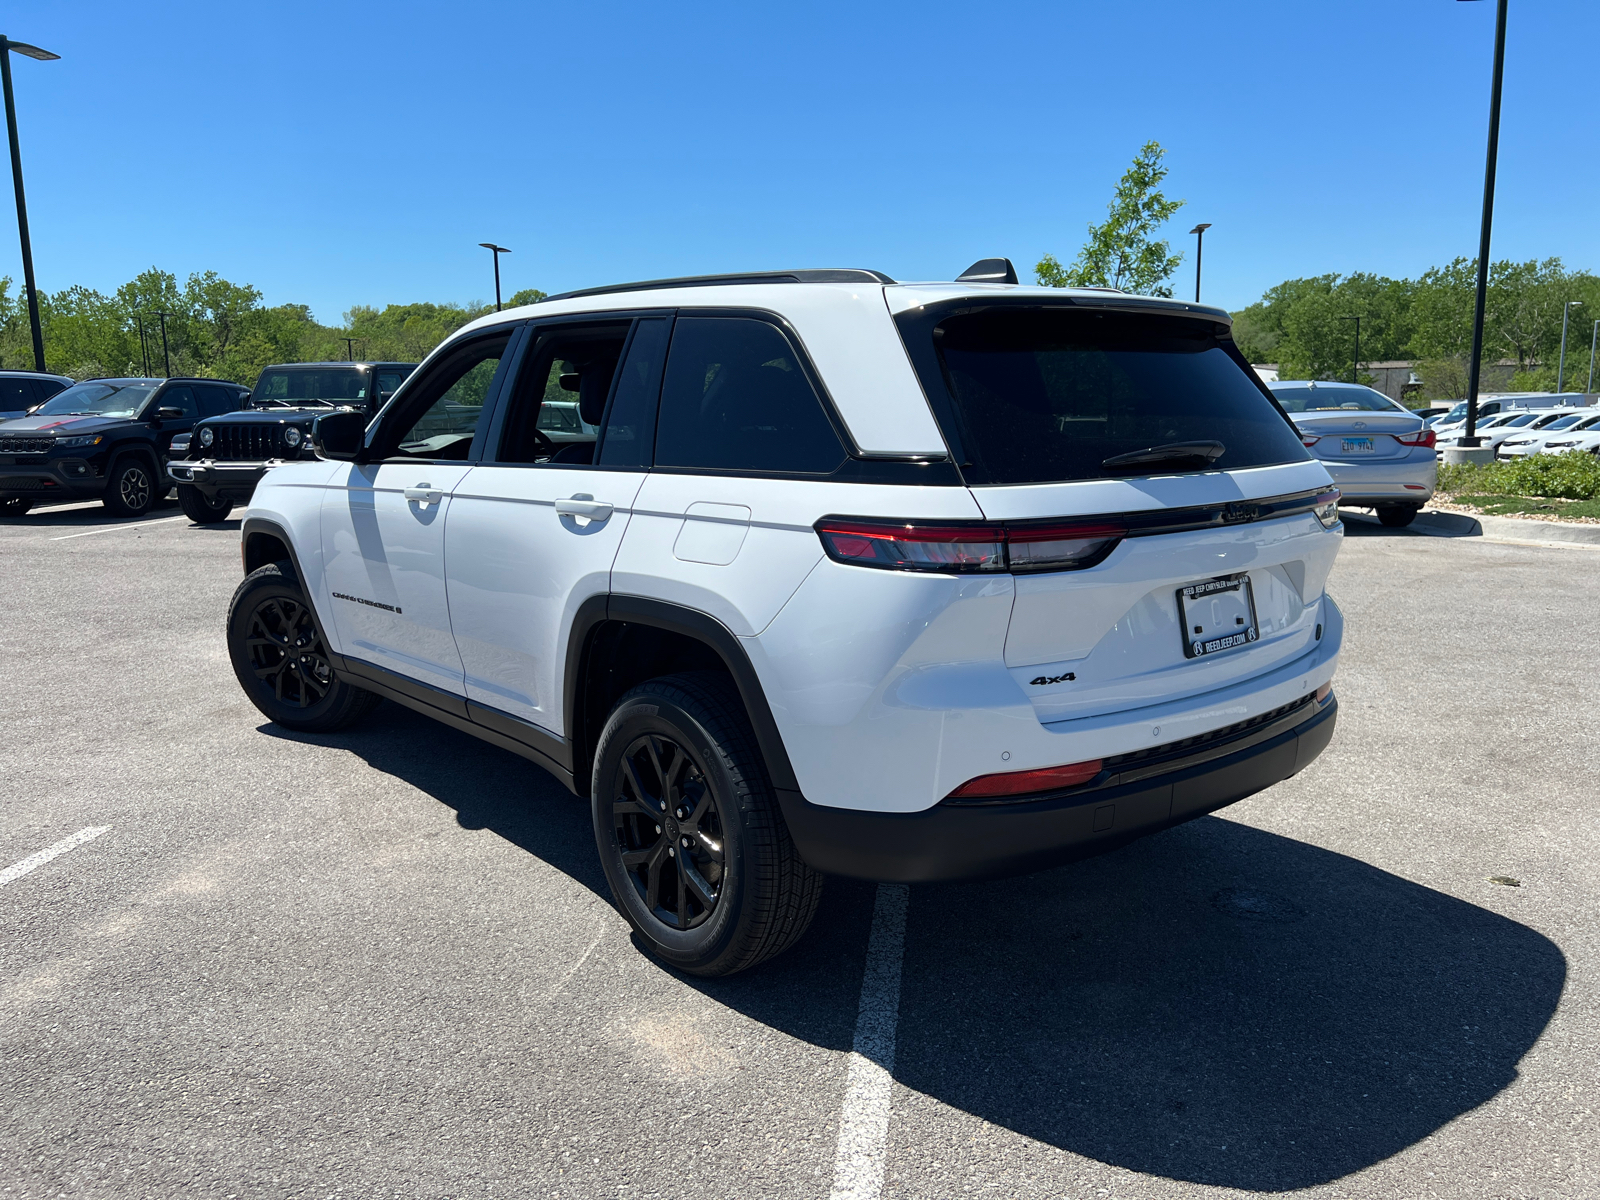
<point x="26" y="445"/>
<point x="245" y="442"/>
<point x="1202" y="740"/>
<point x="28" y="485"/>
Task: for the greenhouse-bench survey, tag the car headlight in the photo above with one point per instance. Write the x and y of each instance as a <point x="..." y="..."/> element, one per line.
<point x="292" y="437"/>
<point x="1553" y="445"/>
<point x="1326" y="506"/>
<point x="207" y="437"/>
<point x="79" y="440"/>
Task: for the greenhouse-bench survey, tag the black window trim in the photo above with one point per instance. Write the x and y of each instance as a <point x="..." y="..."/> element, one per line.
<point x="379" y="426"/>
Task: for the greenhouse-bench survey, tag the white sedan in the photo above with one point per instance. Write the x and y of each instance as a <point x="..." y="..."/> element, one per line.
<point x="1537" y="440"/>
<point x="1505" y="427"/>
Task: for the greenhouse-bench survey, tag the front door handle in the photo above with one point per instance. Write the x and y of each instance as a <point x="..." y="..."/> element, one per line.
<point x="583" y="505"/>
<point x="424" y="493"/>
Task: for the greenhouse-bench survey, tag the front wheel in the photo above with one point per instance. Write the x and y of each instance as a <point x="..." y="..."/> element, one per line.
<point x="694" y="847"/>
<point x="130" y="488"/>
<point x="1397" y="516"/>
<point x="200" y="508"/>
<point x="279" y="659"/>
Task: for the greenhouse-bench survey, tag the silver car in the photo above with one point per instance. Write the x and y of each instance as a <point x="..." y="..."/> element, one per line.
<point x="1379" y="453"/>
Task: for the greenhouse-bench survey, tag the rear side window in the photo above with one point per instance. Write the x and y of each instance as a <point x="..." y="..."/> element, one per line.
<point x="1044" y="394"/>
<point x="735" y="399"/>
<point x="17" y="394"/>
<point x="214" y="401"/>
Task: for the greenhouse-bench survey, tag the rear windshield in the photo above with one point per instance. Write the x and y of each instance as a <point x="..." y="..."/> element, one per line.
<point x="1042" y="394"/>
<point x="1321" y="399"/>
<point x="335" y="387"/>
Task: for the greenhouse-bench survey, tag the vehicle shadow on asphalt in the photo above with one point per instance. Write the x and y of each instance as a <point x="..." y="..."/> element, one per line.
<point x="1215" y="1004"/>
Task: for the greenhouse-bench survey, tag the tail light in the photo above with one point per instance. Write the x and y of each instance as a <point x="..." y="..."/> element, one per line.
<point x="1021" y="783"/>
<point x="1422" y="437"/>
<point x="1309" y="439"/>
<point x="1326" y="506"/>
<point x="969" y="548"/>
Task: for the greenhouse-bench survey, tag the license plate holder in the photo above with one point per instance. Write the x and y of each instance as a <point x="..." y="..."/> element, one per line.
<point x="1356" y="445"/>
<point x="1218" y="615"/>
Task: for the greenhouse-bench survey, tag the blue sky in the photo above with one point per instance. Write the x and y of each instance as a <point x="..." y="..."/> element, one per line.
<point x="336" y="154"/>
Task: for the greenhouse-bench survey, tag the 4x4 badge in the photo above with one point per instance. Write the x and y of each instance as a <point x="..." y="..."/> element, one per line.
<point x="1046" y="680"/>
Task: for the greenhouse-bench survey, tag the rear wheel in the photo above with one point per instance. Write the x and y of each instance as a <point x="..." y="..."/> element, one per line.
<point x="1398" y="516"/>
<point x="694" y="847"/>
<point x="200" y="508"/>
<point x="16" y="506"/>
<point x="130" y="487"/>
<point x="280" y="660"/>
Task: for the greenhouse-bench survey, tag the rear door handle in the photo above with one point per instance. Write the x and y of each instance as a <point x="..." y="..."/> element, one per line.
<point x="583" y="505"/>
<point x="424" y="493"/>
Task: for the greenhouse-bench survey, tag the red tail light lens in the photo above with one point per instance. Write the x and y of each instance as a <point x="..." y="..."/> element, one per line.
<point x="1423" y="437"/>
<point x="912" y="546"/>
<point x="1020" y="783"/>
<point x="1309" y="439"/>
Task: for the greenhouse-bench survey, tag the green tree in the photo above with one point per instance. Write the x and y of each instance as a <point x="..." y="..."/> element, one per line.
<point x="1120" y="252"/>
<point x="525" y="296"/>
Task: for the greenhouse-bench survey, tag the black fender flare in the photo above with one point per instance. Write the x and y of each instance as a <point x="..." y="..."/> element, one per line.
<point x="692" y="623"/>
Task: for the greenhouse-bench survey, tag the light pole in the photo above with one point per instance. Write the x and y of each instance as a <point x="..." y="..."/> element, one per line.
<point x="497" y="251"/>
<point x="1469" y="440"/>
<point x="1561" y="370"/>
<point x="6" y="47"/>
<point x="1355" y="359"/>
<point x="349" y="349"/>
<point x="166" y="358"/>
<point x="144" y="347"/>
<point x="1593" y="338"/>
<point x="1199" y="232"/>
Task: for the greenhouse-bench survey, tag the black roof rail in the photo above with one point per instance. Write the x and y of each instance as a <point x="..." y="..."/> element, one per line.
<point x="836" y="275"/>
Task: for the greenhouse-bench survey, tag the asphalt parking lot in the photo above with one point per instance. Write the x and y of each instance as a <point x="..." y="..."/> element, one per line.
<point x="382" y="964"/>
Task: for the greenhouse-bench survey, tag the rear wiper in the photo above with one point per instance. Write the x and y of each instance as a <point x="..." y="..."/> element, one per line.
<point x="1170" y="452"/>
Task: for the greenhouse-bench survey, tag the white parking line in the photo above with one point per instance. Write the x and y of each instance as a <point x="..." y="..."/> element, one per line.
<point x="19" y="869"/>
<point x="864" y="1121"/>
<point x="114" y="528"/>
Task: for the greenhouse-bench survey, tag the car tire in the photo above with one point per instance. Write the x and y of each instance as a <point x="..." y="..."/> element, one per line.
<point x="130" y="487"/>
<point x="678" y="780"/>
<point x="16" y="506"/>
<point x="200" y="508"/>
<point x="280" y="659"/>
<point x="1397" y="516"/>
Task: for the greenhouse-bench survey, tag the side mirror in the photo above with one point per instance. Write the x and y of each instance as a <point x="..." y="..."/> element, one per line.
<point x="340" y="435"/>
<point x="170" y="414"/>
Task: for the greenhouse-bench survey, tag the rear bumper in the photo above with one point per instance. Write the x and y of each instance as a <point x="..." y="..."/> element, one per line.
<point x="950" y="842"/>
<point x="235" y="480"/>
<point x="1409" y="480"/>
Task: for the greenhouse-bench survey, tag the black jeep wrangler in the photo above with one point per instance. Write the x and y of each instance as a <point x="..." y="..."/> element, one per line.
<point x="228" y="455"/>
<point x="104" y="439"/>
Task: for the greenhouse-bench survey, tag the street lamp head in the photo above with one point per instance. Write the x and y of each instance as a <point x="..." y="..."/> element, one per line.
<point x="1201" y="228"/>
<point x="30" y="51"/>
<point x="496" y="249"/>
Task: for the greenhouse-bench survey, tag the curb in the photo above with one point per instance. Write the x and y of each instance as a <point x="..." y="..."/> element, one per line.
<point x="1497" y="529"/>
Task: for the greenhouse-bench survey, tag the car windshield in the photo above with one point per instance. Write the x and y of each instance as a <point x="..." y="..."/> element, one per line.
<point x="332" y="387"/>
<point x="1323" y="399"/>
<point x="105" y="398"/>
<point x="1050" y="393"/>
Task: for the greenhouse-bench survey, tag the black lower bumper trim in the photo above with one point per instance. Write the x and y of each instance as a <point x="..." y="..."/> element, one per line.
<point x="949" y="842"/>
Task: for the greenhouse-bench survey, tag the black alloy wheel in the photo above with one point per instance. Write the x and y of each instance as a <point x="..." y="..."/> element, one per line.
<point x="669" y="828"/>
<point x="286" y="652"/>
<point x="130" y="490"/>
<point x="690" y="834"/>
<point x="279" y="658"/>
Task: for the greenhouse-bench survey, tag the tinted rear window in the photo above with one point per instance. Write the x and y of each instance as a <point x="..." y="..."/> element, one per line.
<point x="1324" y="399"/>
<point x="1046" y="394"/>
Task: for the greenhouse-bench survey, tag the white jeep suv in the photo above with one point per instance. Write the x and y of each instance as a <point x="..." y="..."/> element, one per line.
<point x="895" y="581"/>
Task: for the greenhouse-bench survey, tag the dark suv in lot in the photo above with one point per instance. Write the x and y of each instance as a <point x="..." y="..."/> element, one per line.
<point x="104" y="439"/>
<point x="228" y="455"/>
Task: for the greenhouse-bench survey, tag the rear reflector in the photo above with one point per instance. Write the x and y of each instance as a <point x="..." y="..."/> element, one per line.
<point x="1326" y="506"/>
<point x="1423" y="437"/>
<point x="1020" y="783"/>
<point x="963" y="548"/>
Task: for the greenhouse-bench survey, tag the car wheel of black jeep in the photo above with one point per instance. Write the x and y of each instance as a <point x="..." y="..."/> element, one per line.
<point x="1397" y="516"/>
<point x="16" y="506"/>
<point x="279" y="657"/>
<point x="130" y="487"/>
<point x="200" y="508"/>
<point x="693" y="844"/>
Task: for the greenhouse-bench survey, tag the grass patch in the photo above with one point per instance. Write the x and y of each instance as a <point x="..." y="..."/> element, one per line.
<point x="1574" y="475"/>
<point x="1513" y="506"/>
